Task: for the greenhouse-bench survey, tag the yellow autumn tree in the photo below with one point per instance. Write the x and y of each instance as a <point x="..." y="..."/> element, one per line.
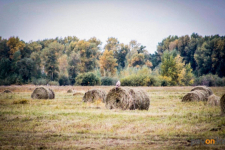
<point x="108" y="63"/>
<point x="14" y="45"/>
<point x="63" y="65"/>
<point x="88" y="53"/>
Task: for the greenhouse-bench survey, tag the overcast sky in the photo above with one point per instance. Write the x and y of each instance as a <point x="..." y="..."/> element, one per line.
<point x="147" y="21"/>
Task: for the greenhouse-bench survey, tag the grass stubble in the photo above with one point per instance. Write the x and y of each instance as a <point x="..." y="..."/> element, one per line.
<point x="67" y="123"/>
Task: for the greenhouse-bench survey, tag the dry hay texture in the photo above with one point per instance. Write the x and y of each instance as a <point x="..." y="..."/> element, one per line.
<point x="93" y="95"/>
<point x="222" y="104"/>
<point x="126" y="98"/>
<point x="213" y="100"/>
<point x="198" y="93"/>
<point x="43" y="93"/>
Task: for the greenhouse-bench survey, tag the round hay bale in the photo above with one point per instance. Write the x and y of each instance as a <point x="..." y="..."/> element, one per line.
<point x="7" y="91"/>
<point x="93" y="95"/>
<point x="126" y="98"/>
<point x="222" y="104"/>
<point x="141" y="100"/>
<point x="204" y="88"/>
<point x="71" y="91"/>
<point x="78" y="93"/>
<point x="213" y="100"/>
<point x="198" y="95"/>
<point x="43" y="93"/>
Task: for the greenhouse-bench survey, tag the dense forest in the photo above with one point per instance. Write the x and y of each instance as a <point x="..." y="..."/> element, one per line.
<point x="185" y="60"/>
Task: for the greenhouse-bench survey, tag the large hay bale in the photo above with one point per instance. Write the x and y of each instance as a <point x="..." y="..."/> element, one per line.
<point x="43" y="93"/>
<point x="126" y="98"/>
<point x="222" y="104"/>
<point x="93" y="95"/>
<point x="213" y="100"/>
<point x="198" y="95"/>
<point x="203" y="88"/>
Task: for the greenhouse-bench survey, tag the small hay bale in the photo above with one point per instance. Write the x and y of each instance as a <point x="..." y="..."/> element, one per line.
<point x="43" y="93"/>
<point x="93" y="95"/>
<point x="71" y="91"/>
<point x="198" y="95"/>
<point x="204" y="88"/>
<point x="126" y="98"/>
<point x="7" y="91"/>
<point x="213" y="100"/>
<point x="78" y="93"/>
<point x="222" y="104"/>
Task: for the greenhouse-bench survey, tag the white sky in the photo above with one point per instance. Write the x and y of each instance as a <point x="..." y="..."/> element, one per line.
<point x="147" y="21"/>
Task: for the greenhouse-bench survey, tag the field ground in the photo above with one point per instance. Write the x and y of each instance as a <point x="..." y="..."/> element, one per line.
<point x="67" y="123"/>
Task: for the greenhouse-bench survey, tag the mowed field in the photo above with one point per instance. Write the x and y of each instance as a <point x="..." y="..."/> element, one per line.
<point x="67" y="123"/>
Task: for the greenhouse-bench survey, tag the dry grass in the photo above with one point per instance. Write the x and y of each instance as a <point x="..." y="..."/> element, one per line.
<point x="68" y="123"/>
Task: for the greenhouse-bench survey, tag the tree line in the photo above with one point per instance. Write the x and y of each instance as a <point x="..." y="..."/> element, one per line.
<point x="184" y="60"/>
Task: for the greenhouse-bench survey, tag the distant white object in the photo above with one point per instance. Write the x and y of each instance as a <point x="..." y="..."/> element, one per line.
<point x="118" y="84"/>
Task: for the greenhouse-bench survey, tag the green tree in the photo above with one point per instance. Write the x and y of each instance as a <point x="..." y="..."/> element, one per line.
<point x="26" y="68"/>
<point x="218" y="58"/>
<point x="203" y="58"/>
<point x="51" y="63"/>
<point x="87" y="79"/>
<point x="121" y="55"/>
<point x="4" y="49"/>
<point x="172" y="66"/>
<point x="35" y="56"/>
<point x="5" y="65"/>
<point x="74" y="64"/>
<point x="188" y="77"/>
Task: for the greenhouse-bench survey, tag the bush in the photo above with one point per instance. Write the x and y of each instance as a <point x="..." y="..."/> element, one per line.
<point x="79" y="78"/>
<point x="40" y="81"/>
<point x="4" y="82"/>
<point x="106" y="81"/>
<point x="139" y="80"/>
<point x="12" y="79"/>
<point x="210" y="80"/>
<point x="54" y="83"/>
<point x="150" y="81"/>
<point x="64" y="80"/>
<point x="87" y="79"/>
<point x="164" y="83"/>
